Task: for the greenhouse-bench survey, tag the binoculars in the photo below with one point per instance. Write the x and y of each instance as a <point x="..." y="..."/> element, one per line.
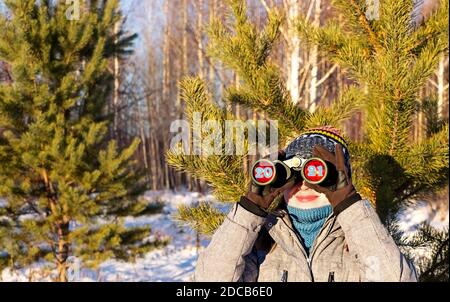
<point x="277" y="173"/>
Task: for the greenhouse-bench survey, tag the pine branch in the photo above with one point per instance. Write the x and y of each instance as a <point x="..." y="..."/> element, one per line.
<point x="348" y="102"/>
<point x="365" y="24"/>
<point x="246" y="51"/>
<point x="434" y="267"/>
<point x="427" y="160"/>
<point x="350" y="51"/>
<point x="202" y="218"/>
<point x="436" y="264"/>
<point x="430" y="108"/>
<point x="435" y="27"/>
<point x="223" y="172"/>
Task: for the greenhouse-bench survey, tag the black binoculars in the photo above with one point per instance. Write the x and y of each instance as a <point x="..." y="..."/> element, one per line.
<point x="276" y="173"/>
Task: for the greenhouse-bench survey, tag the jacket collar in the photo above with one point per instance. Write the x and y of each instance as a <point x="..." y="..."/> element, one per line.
<point x="281" y="230"/>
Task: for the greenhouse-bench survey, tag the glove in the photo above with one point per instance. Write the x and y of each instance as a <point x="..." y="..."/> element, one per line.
<point x="259" y="198"/>
<point x="345" y="194"/>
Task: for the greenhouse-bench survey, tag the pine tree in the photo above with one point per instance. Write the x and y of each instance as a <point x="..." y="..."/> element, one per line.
<point x="65" y="184"/>
<point x="433" y="265"/>
<point x="389" y="57"/>
<point x="241" y="47"/>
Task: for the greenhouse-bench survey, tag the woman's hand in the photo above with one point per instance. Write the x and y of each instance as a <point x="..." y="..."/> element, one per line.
<point x="259" y="198"/>
<point x="345" y="193"/>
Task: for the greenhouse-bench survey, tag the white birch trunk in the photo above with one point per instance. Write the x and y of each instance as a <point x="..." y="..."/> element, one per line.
<point x="201" y="60"/>
<point x="441" y="86"/>
<point x="212" y="72"/>
<point x="166" y="77"/>
<point x="293" y="45"/>
<point x="143" y="140"/>
<point x="313" y="87"/>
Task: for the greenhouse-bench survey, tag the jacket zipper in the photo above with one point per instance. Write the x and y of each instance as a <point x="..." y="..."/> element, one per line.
<point x="316" y="245"/>
<point x="284" y="277"/>
<point x="331" y="277"/>
<point x="301" y="248"/>
<point x="308" y="260"/>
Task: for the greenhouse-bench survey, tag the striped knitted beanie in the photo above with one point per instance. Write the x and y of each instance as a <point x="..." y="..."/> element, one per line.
<point x="325" y="136"/>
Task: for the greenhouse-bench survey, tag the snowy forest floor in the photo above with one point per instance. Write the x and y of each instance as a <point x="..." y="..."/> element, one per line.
<point x="176" y="261"/>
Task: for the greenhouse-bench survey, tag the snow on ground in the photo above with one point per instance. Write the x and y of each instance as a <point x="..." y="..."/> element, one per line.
<point x="174" y="262"/>
<point x="177" y="260"/>
<point x="412" y="216"/>
<point x="419" y="212"/>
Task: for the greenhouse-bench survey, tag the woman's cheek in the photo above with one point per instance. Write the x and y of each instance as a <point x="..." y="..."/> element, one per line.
<point x="289" y="193"/>
<point x="286" y="195"/>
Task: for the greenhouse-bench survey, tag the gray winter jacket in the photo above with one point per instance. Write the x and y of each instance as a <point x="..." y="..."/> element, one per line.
<point x="354" y="246"/>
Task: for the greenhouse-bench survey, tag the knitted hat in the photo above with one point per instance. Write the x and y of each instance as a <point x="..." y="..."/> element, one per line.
<point x="326" y="137"/>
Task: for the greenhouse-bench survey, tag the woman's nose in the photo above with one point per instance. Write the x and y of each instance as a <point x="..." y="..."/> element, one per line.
<point x="303" y="186"/>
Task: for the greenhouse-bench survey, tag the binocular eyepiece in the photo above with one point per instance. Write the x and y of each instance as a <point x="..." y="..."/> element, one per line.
<point x="277" y="173"/>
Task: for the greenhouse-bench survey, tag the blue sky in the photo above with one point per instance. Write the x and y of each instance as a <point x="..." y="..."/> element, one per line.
<point x="144" y="16"/>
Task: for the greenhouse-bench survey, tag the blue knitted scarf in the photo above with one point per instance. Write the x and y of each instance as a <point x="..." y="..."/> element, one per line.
<point x="308" y="222"/>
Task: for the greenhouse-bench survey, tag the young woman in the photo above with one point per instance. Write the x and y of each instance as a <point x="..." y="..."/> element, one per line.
<point x="317" y="234"/>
